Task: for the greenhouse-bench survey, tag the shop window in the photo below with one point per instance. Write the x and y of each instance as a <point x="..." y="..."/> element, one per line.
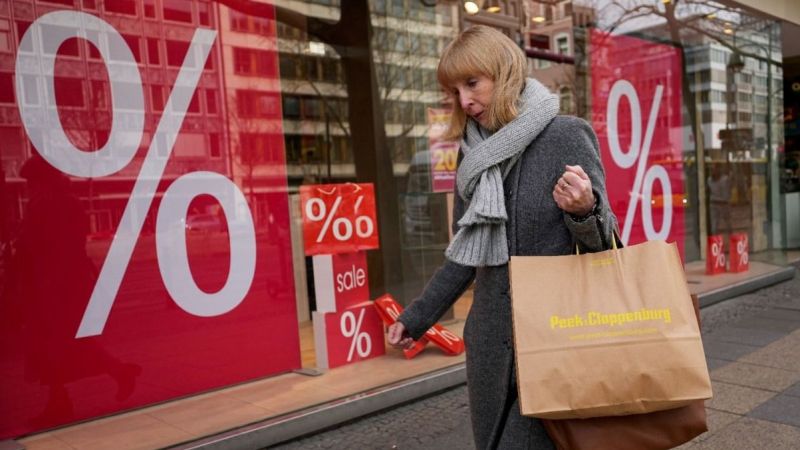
<point x="191" y="145"/>
<point x="246" y="23"/>
<point x="214" y="146"/>
<point x="124" y="102"/>
<point x="133" y="44"/>
<point x="211" y="101"/>
<point x="176" y="52"/>
<point x="153" y="51"/>
<point x="194" y="104"/>
<point x="177" y="10"/>
<point x="149" y="8"/>
<point x="562" y="44"/>
<point x="22" y="27"/>
<point x="331" y="70"/>
<point x="92" y="51"/>
<point x="397" y="8"/>
<point x="291" y="107"/>
<point x="288" y="65"/>
<point x="69" y="92"/>
<point x="312" y="69"/>
<point x="157" y="97"/>
<point x="204" y="14"/>
<point x="99" y="94"/>
<point x="565" y="97"/>
<point x="127" y="7"/>
<point x="7" y="88"/>
<point x="89" y="4"/>
<point x="13" y="144"/>
<point x="311" y="108"/>
<point x="30" y="90"/>
<point x="5" y="36"/>
<point x="254" y="62"/>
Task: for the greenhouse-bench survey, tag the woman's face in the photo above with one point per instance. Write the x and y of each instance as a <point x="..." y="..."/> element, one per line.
<point x="475" y="94"/>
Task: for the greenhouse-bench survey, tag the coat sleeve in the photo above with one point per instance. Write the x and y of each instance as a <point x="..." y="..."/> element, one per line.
<point x="443" y="289"/>
<point x="594" y="233"/>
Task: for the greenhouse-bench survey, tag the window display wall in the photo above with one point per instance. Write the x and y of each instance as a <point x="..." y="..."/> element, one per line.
<point x="154" y="156"/>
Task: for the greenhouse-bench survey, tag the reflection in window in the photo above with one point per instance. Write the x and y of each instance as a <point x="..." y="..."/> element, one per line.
<point x="153" y="52"/>
<point x="149" y="8"/>
<point x="176" y="52"/>
<point x="291" y="106"/>
<point x="6" y="88"/>
<point x="69" y="92"/>
<point x="178" y="10"/>
<point x="120" y="7"/>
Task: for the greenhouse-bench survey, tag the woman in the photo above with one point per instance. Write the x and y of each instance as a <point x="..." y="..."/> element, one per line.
<point x="528" y="183"/>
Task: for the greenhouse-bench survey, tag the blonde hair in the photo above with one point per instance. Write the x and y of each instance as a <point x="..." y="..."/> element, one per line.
<point x="482" y="50"/>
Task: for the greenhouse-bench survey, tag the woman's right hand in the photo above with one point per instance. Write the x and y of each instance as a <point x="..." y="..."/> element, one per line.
<point x="399" y="337"/>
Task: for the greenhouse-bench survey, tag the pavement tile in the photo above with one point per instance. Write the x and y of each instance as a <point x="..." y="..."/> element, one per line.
<point x="783" y="354"/>
<point x="793" y="391"/>
<point x="717" y="420"/>
<point x="781" y="314"/>
<point x="714" y="363"/>
<point x="728" y="351"/>
<point x="767" y="324"/>
<point x="782" y="409"/>
<point x="736" y="399"/>
<point x="756" y="376"/>
<point x="749" y="433"/>
<point x="747" y="336"/>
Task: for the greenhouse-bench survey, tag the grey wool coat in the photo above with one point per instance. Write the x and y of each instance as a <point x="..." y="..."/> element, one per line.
<point x="536" y="226"/>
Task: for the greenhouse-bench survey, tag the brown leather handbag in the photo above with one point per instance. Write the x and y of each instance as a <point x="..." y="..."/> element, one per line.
<point x="650" y="431"/>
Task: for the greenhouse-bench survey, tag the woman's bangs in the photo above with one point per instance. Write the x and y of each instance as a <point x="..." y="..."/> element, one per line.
<point x="458" y="65"/>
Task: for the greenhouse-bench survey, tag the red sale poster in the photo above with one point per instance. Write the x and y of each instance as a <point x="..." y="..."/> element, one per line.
<point x="636" y="113"/>
<point x="444" y="154"/>
<point x="147" y="255"/>
<point x="338" y="218"/>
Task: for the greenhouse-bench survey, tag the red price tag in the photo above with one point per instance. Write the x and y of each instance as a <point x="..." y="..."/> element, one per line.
<point x="338" y="218"/>
<point x="390" y="310"/>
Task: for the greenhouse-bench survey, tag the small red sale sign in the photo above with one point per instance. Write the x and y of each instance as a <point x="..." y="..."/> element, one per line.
<point x="740" y="253"/>
<point x="338" y="218"/>
<point x="351" y="335"/>
<point x="445" y="339"/>
<point x="715" y="255"/>
<point x="340" y="280"/>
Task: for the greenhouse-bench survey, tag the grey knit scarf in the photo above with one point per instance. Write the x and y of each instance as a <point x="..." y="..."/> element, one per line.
<point x="481" y="238"/>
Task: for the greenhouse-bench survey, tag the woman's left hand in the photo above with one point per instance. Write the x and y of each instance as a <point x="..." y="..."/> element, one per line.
<point x="573" y="192"/>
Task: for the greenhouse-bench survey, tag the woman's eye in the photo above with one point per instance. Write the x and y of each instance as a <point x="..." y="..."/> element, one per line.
<point x="472" y="83"/>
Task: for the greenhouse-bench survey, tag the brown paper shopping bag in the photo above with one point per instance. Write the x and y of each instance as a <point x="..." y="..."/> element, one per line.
<point x="608" y="333"/>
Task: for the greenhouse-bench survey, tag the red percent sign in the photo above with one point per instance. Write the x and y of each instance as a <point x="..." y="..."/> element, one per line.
<point x="445" y="339"/>
<point x="338" y="218"/>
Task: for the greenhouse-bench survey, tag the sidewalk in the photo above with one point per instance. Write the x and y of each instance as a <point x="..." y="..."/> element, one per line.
<point x="754" y="362"/>
<point x="283" y="407"/>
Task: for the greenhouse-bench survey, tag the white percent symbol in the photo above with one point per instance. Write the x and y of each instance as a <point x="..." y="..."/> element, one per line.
<point x="342" y="229"/>
<point x="36" y="61"/>
<point x="717" y="254"/>
<point x="351" y="328"/>
<point x="639" y="151"/>
<point x="741" y="249"/>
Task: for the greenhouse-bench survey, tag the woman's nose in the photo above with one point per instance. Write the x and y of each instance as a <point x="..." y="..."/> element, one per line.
<point x="465" y="100"/>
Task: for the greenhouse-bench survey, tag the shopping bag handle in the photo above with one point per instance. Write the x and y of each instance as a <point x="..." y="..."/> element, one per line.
<point x="614" y="238"/>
